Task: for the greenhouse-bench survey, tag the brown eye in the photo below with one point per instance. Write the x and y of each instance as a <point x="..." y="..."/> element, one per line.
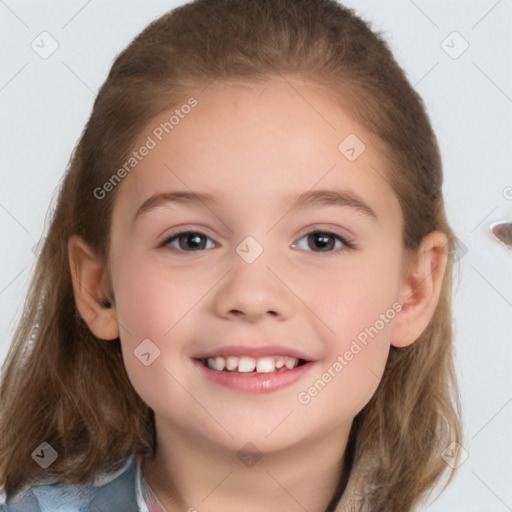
<point x="323" y="241"/>
<point x="187" y="241"/>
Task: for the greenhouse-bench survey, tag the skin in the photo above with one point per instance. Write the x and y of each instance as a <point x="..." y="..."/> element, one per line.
<point x="252" y="146"/>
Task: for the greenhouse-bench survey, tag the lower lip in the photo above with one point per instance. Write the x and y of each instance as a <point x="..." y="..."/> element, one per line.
<point x="254" y="382"/>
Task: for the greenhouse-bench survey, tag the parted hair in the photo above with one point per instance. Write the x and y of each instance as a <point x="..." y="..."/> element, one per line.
<point x="62" y="385"/>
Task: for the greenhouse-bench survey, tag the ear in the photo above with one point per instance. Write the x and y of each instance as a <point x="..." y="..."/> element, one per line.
<point x="91" y="289"/>
<point x="420" y="288"/>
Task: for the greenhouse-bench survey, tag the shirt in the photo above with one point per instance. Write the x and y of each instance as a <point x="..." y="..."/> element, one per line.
<point x="125" y="490"/>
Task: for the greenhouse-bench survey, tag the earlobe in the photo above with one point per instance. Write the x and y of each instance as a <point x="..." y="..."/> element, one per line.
<point x="90" y="286"/>
<point x="420" y="289"/>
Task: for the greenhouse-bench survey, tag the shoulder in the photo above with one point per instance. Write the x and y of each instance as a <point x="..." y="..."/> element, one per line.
<point x="113" y="491"/>
<point x="359" y="489"/>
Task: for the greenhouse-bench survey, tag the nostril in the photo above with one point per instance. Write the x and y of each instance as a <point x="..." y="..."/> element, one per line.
<point x="235" y="312"/>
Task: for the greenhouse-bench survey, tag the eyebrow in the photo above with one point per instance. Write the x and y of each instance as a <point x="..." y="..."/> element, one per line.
<point x="332" y="197"/>
<point x="311" y="198"/>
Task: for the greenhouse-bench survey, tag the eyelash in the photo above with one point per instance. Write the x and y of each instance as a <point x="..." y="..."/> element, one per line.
<point x="347" y="244"/>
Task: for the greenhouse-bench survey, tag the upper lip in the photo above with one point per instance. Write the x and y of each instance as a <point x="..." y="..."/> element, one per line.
<point x="252" y="351"/>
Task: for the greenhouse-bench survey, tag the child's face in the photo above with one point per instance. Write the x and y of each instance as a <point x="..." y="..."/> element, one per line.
<point x="254" y="148"/>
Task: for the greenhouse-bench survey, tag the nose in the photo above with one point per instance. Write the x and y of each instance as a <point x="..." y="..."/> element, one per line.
<point x="254" y="291"/>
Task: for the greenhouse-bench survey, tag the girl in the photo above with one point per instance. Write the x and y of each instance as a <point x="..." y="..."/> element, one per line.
<point x="243" y="299"/>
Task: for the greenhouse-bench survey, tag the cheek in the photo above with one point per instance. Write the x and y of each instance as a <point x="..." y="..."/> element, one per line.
<point x="151" y="299"/>
<point x="362" y="369"/>
<point x="148" y="306"/>
<point x="350" y="372"/>
<point x="355" y="298"/>
<point x="358" y="306"/>
<point x="152" y="304"/>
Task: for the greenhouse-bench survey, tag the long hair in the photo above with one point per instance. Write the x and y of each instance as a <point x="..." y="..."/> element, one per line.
<point x="64" y="386"/>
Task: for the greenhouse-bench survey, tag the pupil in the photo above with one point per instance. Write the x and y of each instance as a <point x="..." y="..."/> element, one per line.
<point x="194" y="241"/>
<point x="322" y="240"/>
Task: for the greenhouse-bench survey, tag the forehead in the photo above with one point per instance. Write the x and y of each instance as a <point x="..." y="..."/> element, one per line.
<point x="254" y="142"/>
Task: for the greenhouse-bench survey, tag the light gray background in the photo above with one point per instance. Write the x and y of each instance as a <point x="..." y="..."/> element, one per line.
<point x="44" y="104"/>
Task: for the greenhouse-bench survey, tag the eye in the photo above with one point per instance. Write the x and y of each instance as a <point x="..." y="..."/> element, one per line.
<point x="325" y="241"/>
<point x="318" y="241"/>
<point x="187" y="241"/>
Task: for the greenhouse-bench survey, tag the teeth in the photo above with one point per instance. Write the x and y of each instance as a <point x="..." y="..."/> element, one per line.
<point x="231" y="363"/>
<point x="246" y="364"/>
<point x="250" y="364"/>
<point x="265" y="365"/>
<point x="290" y="363"/>
<point x="216" y="364"/>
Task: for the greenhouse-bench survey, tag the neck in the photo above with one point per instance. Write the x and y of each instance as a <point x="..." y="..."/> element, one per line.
<point x="190" y="474"/>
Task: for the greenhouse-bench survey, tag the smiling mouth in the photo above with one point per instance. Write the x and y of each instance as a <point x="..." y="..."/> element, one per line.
<point x="245" y="364"/>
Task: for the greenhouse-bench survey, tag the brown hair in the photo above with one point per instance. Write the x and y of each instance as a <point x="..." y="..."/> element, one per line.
<point x="64" y="386"/>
